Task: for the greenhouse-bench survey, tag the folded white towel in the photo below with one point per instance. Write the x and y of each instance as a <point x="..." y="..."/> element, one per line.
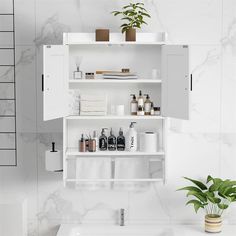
<point x="92" y="108"/>
<point x="131" y="168"/>
<point x="93" y="168"/>
<point x="93" y="113"/>
<point x="93" y="103"/>
<point x="93" y="97"/>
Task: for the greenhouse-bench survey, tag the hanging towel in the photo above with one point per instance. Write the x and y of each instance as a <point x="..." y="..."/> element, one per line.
<point x="131" y="168"/>
<point x="93" y="168"/>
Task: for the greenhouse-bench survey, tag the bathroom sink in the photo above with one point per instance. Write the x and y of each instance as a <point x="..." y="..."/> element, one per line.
<point x="138" y="230"/>
<point x="113" y="230"/>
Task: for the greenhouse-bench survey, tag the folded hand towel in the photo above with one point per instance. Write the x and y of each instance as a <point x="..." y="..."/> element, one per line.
<point x="93" y="103"/>
<point x="93" y="168"/>
<point x="93" y="97"/>
<point x="88" y="109"/>
<point x="93" y="113"/>
<point x="131" y="168"/>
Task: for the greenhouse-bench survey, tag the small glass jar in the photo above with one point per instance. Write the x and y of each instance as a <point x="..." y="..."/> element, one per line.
<point x="89" y="75"/>
<point x="157" y="111"/>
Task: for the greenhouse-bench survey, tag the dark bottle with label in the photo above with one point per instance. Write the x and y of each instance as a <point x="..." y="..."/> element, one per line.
<point x="111" y="142"/>
<point x="121" y="141"/>
<point x="103" y="141"/>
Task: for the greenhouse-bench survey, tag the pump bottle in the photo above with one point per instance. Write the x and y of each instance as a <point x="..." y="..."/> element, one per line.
<point x="103" y="141"/>
<point x="133" y="105"/>
<point x="140" y="99"/>
<point x="132" y="144"/>
<point x="147" y="105"/>
<point x="111" y="142"/>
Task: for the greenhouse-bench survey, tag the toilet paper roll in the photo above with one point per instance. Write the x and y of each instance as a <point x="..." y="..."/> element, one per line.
<point x="53" y="161"/>
<point x="149" y="142"/>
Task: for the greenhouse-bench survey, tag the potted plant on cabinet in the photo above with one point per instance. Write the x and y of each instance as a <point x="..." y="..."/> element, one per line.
<point x="134" y="15"/>
<point x="214" y="196"/>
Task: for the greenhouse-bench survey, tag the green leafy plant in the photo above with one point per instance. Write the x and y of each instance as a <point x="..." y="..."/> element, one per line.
<point x="133" y="14"/>
<point x="214" y="196"/>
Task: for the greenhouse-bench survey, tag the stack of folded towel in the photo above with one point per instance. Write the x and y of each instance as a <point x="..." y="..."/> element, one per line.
<point x="93" y="105"/>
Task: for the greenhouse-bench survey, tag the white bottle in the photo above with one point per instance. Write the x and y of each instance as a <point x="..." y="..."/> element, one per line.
<point x="95" y="137"/>
<point x="140" y="99"/>
<point x="132" y="144"/>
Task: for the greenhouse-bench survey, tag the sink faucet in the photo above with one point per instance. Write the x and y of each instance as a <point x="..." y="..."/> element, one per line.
<point x="122" y="217"/>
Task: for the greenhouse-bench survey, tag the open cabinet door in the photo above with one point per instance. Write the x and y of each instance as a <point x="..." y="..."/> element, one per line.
<point x="175" y="81"/>
<point x="55" y="81"/>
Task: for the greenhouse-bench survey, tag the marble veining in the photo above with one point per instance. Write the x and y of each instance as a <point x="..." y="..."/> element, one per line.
<point x="205" y="139"/>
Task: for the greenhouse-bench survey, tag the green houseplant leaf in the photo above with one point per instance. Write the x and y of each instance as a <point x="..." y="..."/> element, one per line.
<point x="214" y="195"/>
<point x="133" y="14"/>
<point x="197" y="204"/>
<point x="198" y="183"/>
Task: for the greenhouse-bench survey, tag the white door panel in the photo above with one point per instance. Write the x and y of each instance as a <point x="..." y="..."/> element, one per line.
<point x="56" y="72"/>
<point x="175" y="81"/>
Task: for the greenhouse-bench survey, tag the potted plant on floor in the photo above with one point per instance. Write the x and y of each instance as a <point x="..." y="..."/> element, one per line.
<point x="134" y="15"/>
<point x="213" y="196"/>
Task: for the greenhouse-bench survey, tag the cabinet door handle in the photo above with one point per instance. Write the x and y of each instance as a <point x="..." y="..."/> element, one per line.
<point x="191" y="82"/>
<point x="42" y="82"/>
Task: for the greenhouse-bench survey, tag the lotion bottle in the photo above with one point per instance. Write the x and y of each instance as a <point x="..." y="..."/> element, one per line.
<point x="132" y="144"/>
<point x="120" y="141"/>
<point x="140" y="99"/>
<point x="103" y="141"/>
<point x="133" y="105"/>
<point x="147" y="105"/>
<point x="111" y="142"/>
<point x="95" y="137"/>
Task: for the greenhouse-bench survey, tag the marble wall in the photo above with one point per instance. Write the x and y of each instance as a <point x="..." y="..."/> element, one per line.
<point x="204" y="145"/>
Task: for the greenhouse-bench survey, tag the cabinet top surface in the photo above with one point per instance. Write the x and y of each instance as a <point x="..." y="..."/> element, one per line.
<point x="114" y="39"/>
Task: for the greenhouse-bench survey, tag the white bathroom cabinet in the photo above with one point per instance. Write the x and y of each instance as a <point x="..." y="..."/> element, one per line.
<point x="170" y="91"/>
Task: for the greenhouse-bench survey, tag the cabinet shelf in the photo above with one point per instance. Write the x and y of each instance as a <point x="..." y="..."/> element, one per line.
<point x="75" y="152"/>
<point x="113" y="81"/>
<point x="128" y="117"/>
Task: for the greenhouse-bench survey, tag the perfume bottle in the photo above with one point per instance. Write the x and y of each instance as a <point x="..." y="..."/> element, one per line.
<point x="111" y="142"/>
<point x="121" y="141"/>
<point x="103" y="141"/>
<point x="78" y="74"/>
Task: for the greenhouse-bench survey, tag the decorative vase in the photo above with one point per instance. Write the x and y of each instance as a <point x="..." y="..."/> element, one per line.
<point x="130" y="35"/>
<point x="213" y="223"/>
<point x="102" y="35"/>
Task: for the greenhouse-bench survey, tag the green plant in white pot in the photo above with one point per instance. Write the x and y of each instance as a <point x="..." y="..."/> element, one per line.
<point x="213" y="196"/>
<point x="133" y="14"/>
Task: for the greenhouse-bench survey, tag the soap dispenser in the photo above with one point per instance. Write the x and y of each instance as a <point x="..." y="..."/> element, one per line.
<point x="111" y="142"/>
<point x="133" y="105"/>
<point x="132" y="144"/>
<point x="121" y="141"/>
<point x="147" y="105"/>
<point x="103" y="140"/>
<point x="140" y="99"/>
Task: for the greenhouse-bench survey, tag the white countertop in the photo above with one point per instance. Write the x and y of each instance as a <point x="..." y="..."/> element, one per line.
<point x="141" y="230"/>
